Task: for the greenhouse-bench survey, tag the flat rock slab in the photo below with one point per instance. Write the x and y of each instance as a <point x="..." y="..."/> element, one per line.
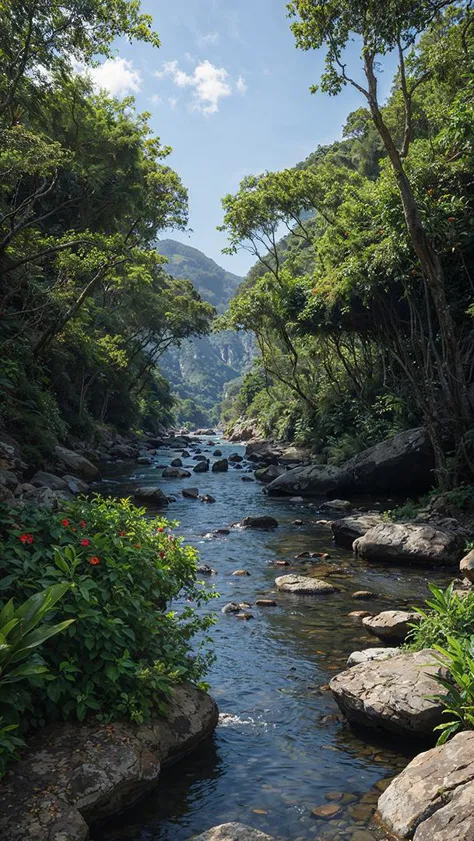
<point x="431" y="800"/>
<point x="369" y="654"/>
<point x="315" y="480"/>
<point x="73" y="775"/>
<point x="393" y="694"/>
<point x="409" y="543"/>
<point x="302" y="585"/>
<point x="151" y="494"/>
<point x="391" y="624"/>
<point x="232" y="832"/>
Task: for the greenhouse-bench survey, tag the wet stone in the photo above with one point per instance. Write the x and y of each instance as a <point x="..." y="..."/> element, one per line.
<point x="326" y="811"/>
<point x="364" y="594"/>
<point x="241" y="572"/>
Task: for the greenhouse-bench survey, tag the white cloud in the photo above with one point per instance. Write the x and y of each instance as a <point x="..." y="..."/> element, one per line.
<point x="155" y="99"/>
<point x="173" y="102"/>
<point x="208" y="39"/>
<point x="117" y="76"/>
<point x="210" y="84"/>
<point x="241" y="85"/>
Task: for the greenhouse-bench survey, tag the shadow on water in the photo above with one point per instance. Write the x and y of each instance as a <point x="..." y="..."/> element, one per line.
<point x="281" y="748"/>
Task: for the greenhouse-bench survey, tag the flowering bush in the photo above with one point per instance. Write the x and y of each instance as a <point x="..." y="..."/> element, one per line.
<point x="127" y="647"/>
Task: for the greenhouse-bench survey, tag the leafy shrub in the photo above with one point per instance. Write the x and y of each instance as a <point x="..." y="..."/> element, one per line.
<point x="19" y="636"/>
<point x="126" y="648"/>
<point x="449" y="615"/>
<point x="458" y="657"/>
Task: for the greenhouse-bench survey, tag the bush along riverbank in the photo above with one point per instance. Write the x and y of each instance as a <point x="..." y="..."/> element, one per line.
<point x="121" y="669"/>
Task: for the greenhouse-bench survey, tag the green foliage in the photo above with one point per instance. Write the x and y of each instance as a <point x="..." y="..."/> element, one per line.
<point x="128" y="645"/>
<point x="448" y="615"/>
<point x="458" y="699"/>
<point x="19" y="637"/>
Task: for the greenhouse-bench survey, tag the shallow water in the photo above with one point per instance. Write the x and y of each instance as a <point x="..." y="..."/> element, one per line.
<point x="281" y="748"/>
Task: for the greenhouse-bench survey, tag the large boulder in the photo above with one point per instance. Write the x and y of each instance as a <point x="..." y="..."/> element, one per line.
<point x="303" y="585"/>
<point x="46" y="498"/>
<point x="409" y="543"/>
<point x="152" y="494"/>
<point x="391" y="624"/>
<point x="295" y="455"/>
<point x="8" y="479"/>
<point x="75" y="463"/>
<point x="268" y="474"/>
<point x="10" y="453"/>
<point x="201" y="467"/>
<point x="232" y="832"/>
<point x="404" y="462"/>
<point x="41" y="479"/>
<point x="73" y="775"/>
<point x="466" y="567"/>
<point x="395" y="694"/>
<point x="263" y="522"/>
<point x="370" y="654"/>
<point x="264" y="452"/>
<point x="314" y="480"/>
<point x="175" y="473"/>
<point x="348" y="529"/>
<point x="431" y="800"/>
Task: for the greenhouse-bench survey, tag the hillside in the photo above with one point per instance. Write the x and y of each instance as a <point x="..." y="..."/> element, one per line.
<point x="200" y="369"/>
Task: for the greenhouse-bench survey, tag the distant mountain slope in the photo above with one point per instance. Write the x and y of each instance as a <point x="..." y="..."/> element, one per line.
<point x="201" y="368"/>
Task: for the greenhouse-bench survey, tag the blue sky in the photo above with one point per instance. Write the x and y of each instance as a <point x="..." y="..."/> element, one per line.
<point x="228" y="91"/>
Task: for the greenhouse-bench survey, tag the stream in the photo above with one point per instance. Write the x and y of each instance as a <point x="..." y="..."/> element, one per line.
<point x="281" y="749"/>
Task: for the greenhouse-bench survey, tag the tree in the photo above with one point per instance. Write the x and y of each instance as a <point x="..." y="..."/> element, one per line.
<point x="395" y="25"/>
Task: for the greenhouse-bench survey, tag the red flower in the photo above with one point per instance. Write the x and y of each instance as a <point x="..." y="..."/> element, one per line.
<point x="74" y="528"/>
<point x="26" y="538"/>
<point x="451" y="218"/>
<point x="65" y="523"/>
<point x="82" y="524"/>
<point x="123" y="533"/>
<point x="137" y="545"/>
<point x="85" y="542"/>
<point x="160" y="529"/>
<point x="94" y="561"/>
<point x="161" y="554"/>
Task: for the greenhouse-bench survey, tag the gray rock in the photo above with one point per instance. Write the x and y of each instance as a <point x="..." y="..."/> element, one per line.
<point x="46" y="498"/>
<point x="190" y="493"/>
<point x="466" y="567"/>
<point x="75" y="485"/>
<point x="236" y="458"/>
<point x="314" y="480"/>
<point x="263" y="451"/>
<point x="220" y="466"/>
<point x="201" y="467"/>
<point x="217" y="453"/>
<point x="295" y="455"/>
<point x="41" y="479"/>
<point x="302" y="585"/>
<point x="336" y="506"/>
<point x="409" y="543"/>
<point x="369" y="654"/>
<point x="200" y="457"/>
<point x="348" y="529"/>
<point x="207" y="498"/>
<point x="431" y="800"/>
<point x="152" y="494"/>
<point x="231" y="607"/>
<point x="268" y="474"/>
<point x="175" y="473"/>
<point x="76" y="464"/>
<point x="247" y="479"/>
<point x="73" y="775"/>
<point x="176" y="463"/>
<point x="8" y="479"/>
<point x="144" y="460"/>
<point x="404" y="462"/>
<point x="232" y="832"/>
<point x="5" y="494"/>
<point x="263" y="522"/>
<point x="391" y="624"/>
<point x="395" y="694"/>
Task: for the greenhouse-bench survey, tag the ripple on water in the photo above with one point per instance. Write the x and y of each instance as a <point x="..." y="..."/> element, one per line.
<point x="281" y="749"/>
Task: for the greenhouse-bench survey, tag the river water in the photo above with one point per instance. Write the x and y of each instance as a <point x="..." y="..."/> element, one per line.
<point x="281" y="748"/>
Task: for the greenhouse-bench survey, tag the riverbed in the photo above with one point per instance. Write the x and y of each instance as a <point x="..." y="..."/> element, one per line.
<point x="281" y="749"/>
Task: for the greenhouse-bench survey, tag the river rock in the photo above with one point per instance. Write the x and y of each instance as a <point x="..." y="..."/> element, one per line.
<point x="241" y="572"/>
<point x="348" y="529"/>
<point x="8" y="479"/>
<point x="46" y="498"/>
<point x="363" y="595"/>
<point x="391" y="624"/>
<point x="75" y="485"/>
<point x="200" y="457"/>
<point x="232" y="832"/>
<point x="394" y="694"/>
<point x="231" y="607"/>
<point x="41" y="479"/>
<point x="466" y="566"/>
<point x="263" y="522"/>
<point x="220" y="466"/>
<point x="205" y="569"/>
<point x="431" y="800"/>
<point x="207" y="498"/>
<point x="201" y="467"/>
<point x="402" y="463"/>
<point x="264" y="452"/>
<point x="144" y="460"/>
<point x="336" y="506"/>
<point x="152" y="494"/>
<point x="75" y="774"/>
<point x="369" y="654"/>
<point x="246" y="479"/>
<point x="302" y="585"/>
<point x="314" y="480"/>
<point x="295" y="455"/>
<point x="175" y="473"/>
<point x="409" y="543"/>
<point x="190" y="493"/>
<point x="236" y="458"/>
<point x="176" y="463"/>
<point x="265" y="475"/>
<point x="75" y="463"/>
<point x="217" y="453"/>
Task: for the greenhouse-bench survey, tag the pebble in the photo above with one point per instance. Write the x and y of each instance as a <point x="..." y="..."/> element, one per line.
<point x="334" y="795"/>
<point x="361" y="812"/>
<point x="364" y="594"/>
<point x="282" y="563"/>
<point x="326" y="811"/>
<point x="359" y="614"/>
<point x="240" y="572"/>
<point x="245" y="616"/>
<point x="231" y="607"/>
<point x="205" y="569"/>
<point x="266" y="603"/>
